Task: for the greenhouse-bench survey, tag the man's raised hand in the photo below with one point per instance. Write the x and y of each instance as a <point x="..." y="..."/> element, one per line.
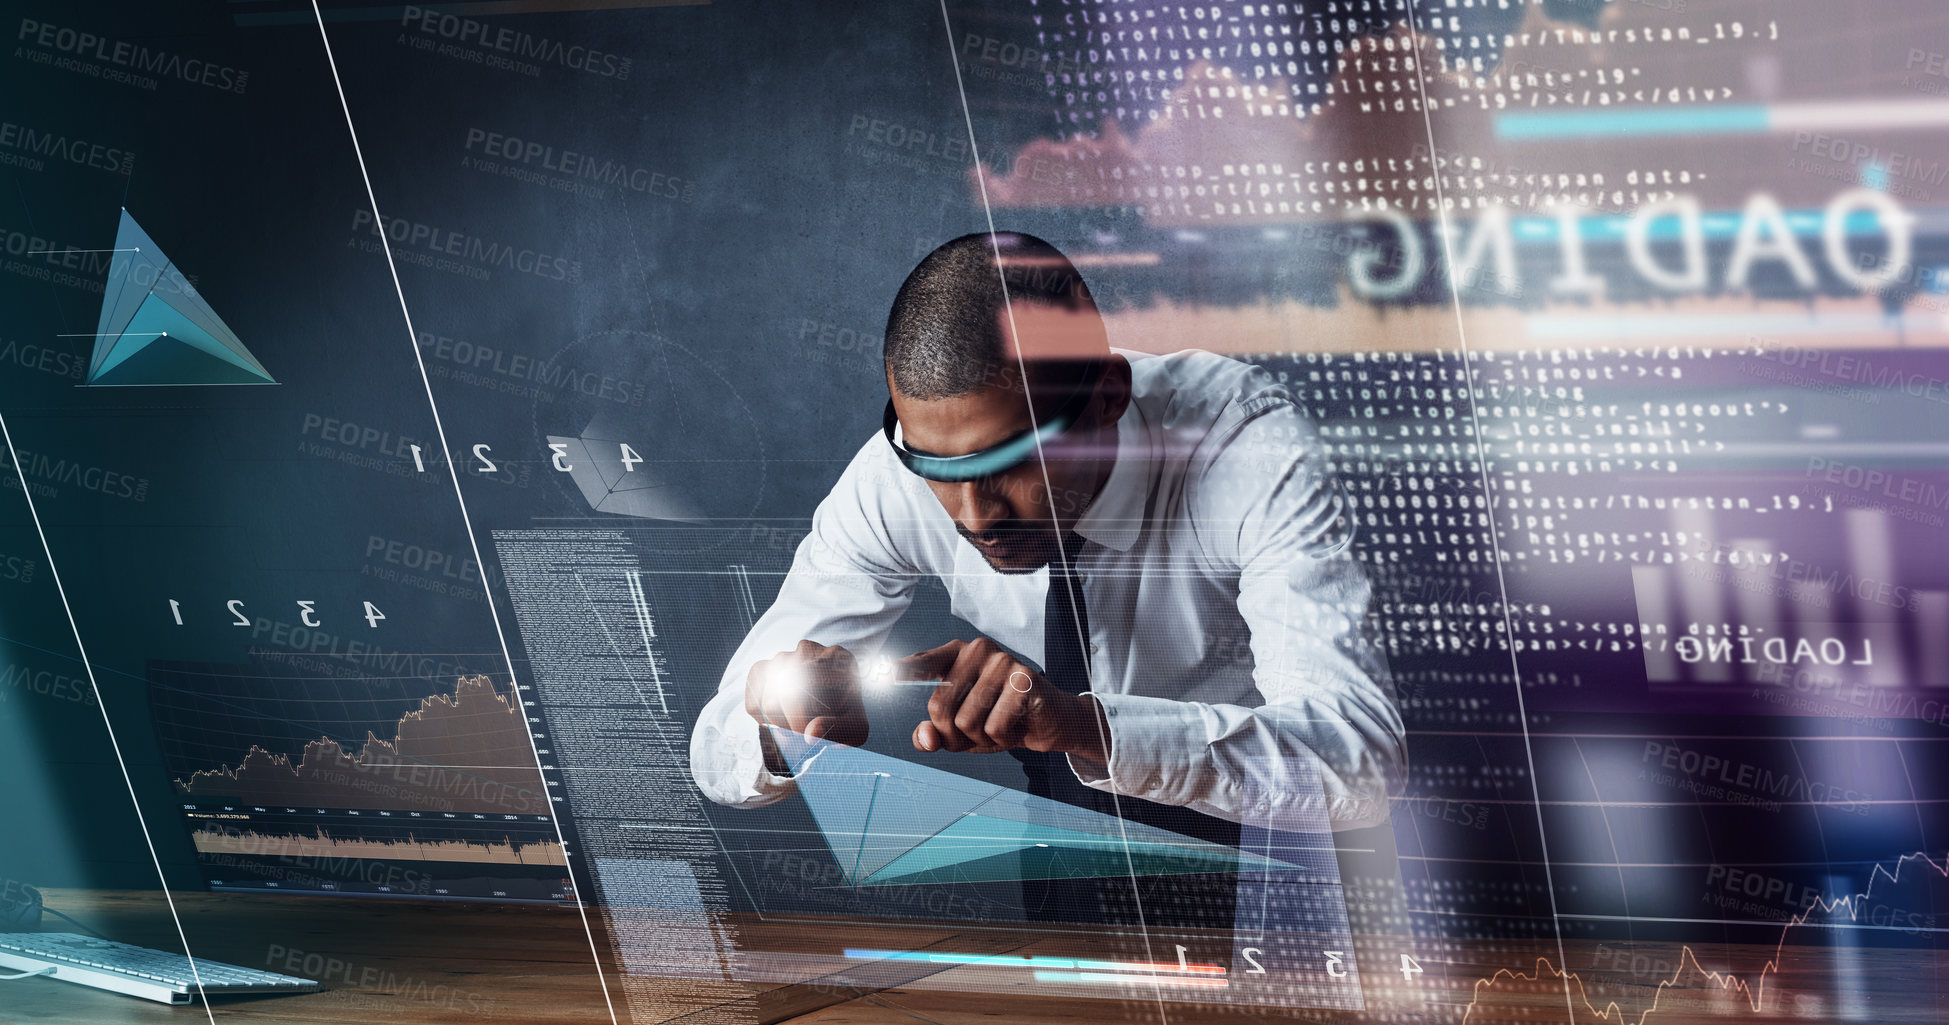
<point x="812" y="689"/>
<point x="988" y="702"/>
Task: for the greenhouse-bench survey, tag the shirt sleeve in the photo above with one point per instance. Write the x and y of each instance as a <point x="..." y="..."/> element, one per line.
<point x="847" y="586"/>
<point x="1266" y="506"/>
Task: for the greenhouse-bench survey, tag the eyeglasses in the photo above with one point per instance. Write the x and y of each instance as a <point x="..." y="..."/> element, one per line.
<point x="998" y="458"/>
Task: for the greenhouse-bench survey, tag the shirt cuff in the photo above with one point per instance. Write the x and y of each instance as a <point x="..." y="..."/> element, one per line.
<point x="770" y="786"/>
<point x="742" y="777"/>
<point x="1155" y="745"/>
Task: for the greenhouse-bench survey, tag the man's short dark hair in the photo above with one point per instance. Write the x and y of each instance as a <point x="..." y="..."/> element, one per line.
<point x="944" y="335"/>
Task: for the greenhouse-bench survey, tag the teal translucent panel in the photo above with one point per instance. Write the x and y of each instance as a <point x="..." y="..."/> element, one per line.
<point x="891" y="821"/>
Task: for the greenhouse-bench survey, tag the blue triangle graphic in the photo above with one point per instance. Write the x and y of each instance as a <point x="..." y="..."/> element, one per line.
<point x="979" y="848"/>
<point x="146" y="300"/>
<point x="892" y="821"/>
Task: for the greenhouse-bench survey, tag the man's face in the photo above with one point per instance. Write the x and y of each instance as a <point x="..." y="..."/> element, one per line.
<point x="1013" y="518"/>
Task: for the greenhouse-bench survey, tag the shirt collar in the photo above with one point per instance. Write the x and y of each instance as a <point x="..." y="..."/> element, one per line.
<point x="1116" y="516"/>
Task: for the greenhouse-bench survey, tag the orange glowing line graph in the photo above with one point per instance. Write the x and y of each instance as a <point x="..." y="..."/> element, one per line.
<point x="1755" y="996"/>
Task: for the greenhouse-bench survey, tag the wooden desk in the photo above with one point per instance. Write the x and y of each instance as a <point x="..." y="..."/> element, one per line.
<point x="390" y="961"/>
<point x="409" y="961"/>
<point x="413" y="962"/>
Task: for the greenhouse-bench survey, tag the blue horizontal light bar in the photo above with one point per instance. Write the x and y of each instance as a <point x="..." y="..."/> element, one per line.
<point x="1592" y="124"/>
<point x="932" y="957"/>
<point x="1717" y="225"/>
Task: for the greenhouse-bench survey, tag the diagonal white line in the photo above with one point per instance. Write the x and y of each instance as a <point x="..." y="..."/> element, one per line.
<point x="88" y="666"/>
<point x="1069" y="578"/>
<point x="453" y="471"/>
<point x="1488" y="494"/>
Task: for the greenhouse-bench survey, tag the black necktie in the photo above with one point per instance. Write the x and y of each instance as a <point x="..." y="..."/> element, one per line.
<point x="1065" y="667"/>
<point x="1066" y="622"/>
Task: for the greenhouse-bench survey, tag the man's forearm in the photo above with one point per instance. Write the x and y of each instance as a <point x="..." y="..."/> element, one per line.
<point x="1088" y="736"/>
<point x="1249" y="764"/>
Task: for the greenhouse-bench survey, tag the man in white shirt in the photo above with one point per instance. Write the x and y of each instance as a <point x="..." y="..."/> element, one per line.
<point x="1153" y="550"/>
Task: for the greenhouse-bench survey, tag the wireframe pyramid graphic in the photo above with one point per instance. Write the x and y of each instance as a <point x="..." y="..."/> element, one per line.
<point x="889" y="821"/>
<point x="156" y="330"/>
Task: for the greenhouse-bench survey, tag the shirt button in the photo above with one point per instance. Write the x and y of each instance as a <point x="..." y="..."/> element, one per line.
<point x="1094" y="648"/>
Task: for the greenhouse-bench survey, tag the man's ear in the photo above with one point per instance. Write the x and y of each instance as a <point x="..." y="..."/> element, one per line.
<point x="1114" y="389"/>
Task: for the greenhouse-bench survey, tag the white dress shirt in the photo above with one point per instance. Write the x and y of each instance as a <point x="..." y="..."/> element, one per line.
<point x="1225" y="609"/>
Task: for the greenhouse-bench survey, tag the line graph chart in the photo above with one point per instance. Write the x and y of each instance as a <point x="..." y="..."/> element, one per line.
<point x="422" y="784"/>
<point x="1753" y="993"/>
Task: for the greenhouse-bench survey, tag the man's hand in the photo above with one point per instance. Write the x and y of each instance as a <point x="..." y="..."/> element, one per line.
<point x="812" y="689"/>
<point x="989" y="702"/>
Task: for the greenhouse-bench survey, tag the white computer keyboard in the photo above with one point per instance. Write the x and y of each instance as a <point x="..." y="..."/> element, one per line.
<point x="137" y="971"/>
